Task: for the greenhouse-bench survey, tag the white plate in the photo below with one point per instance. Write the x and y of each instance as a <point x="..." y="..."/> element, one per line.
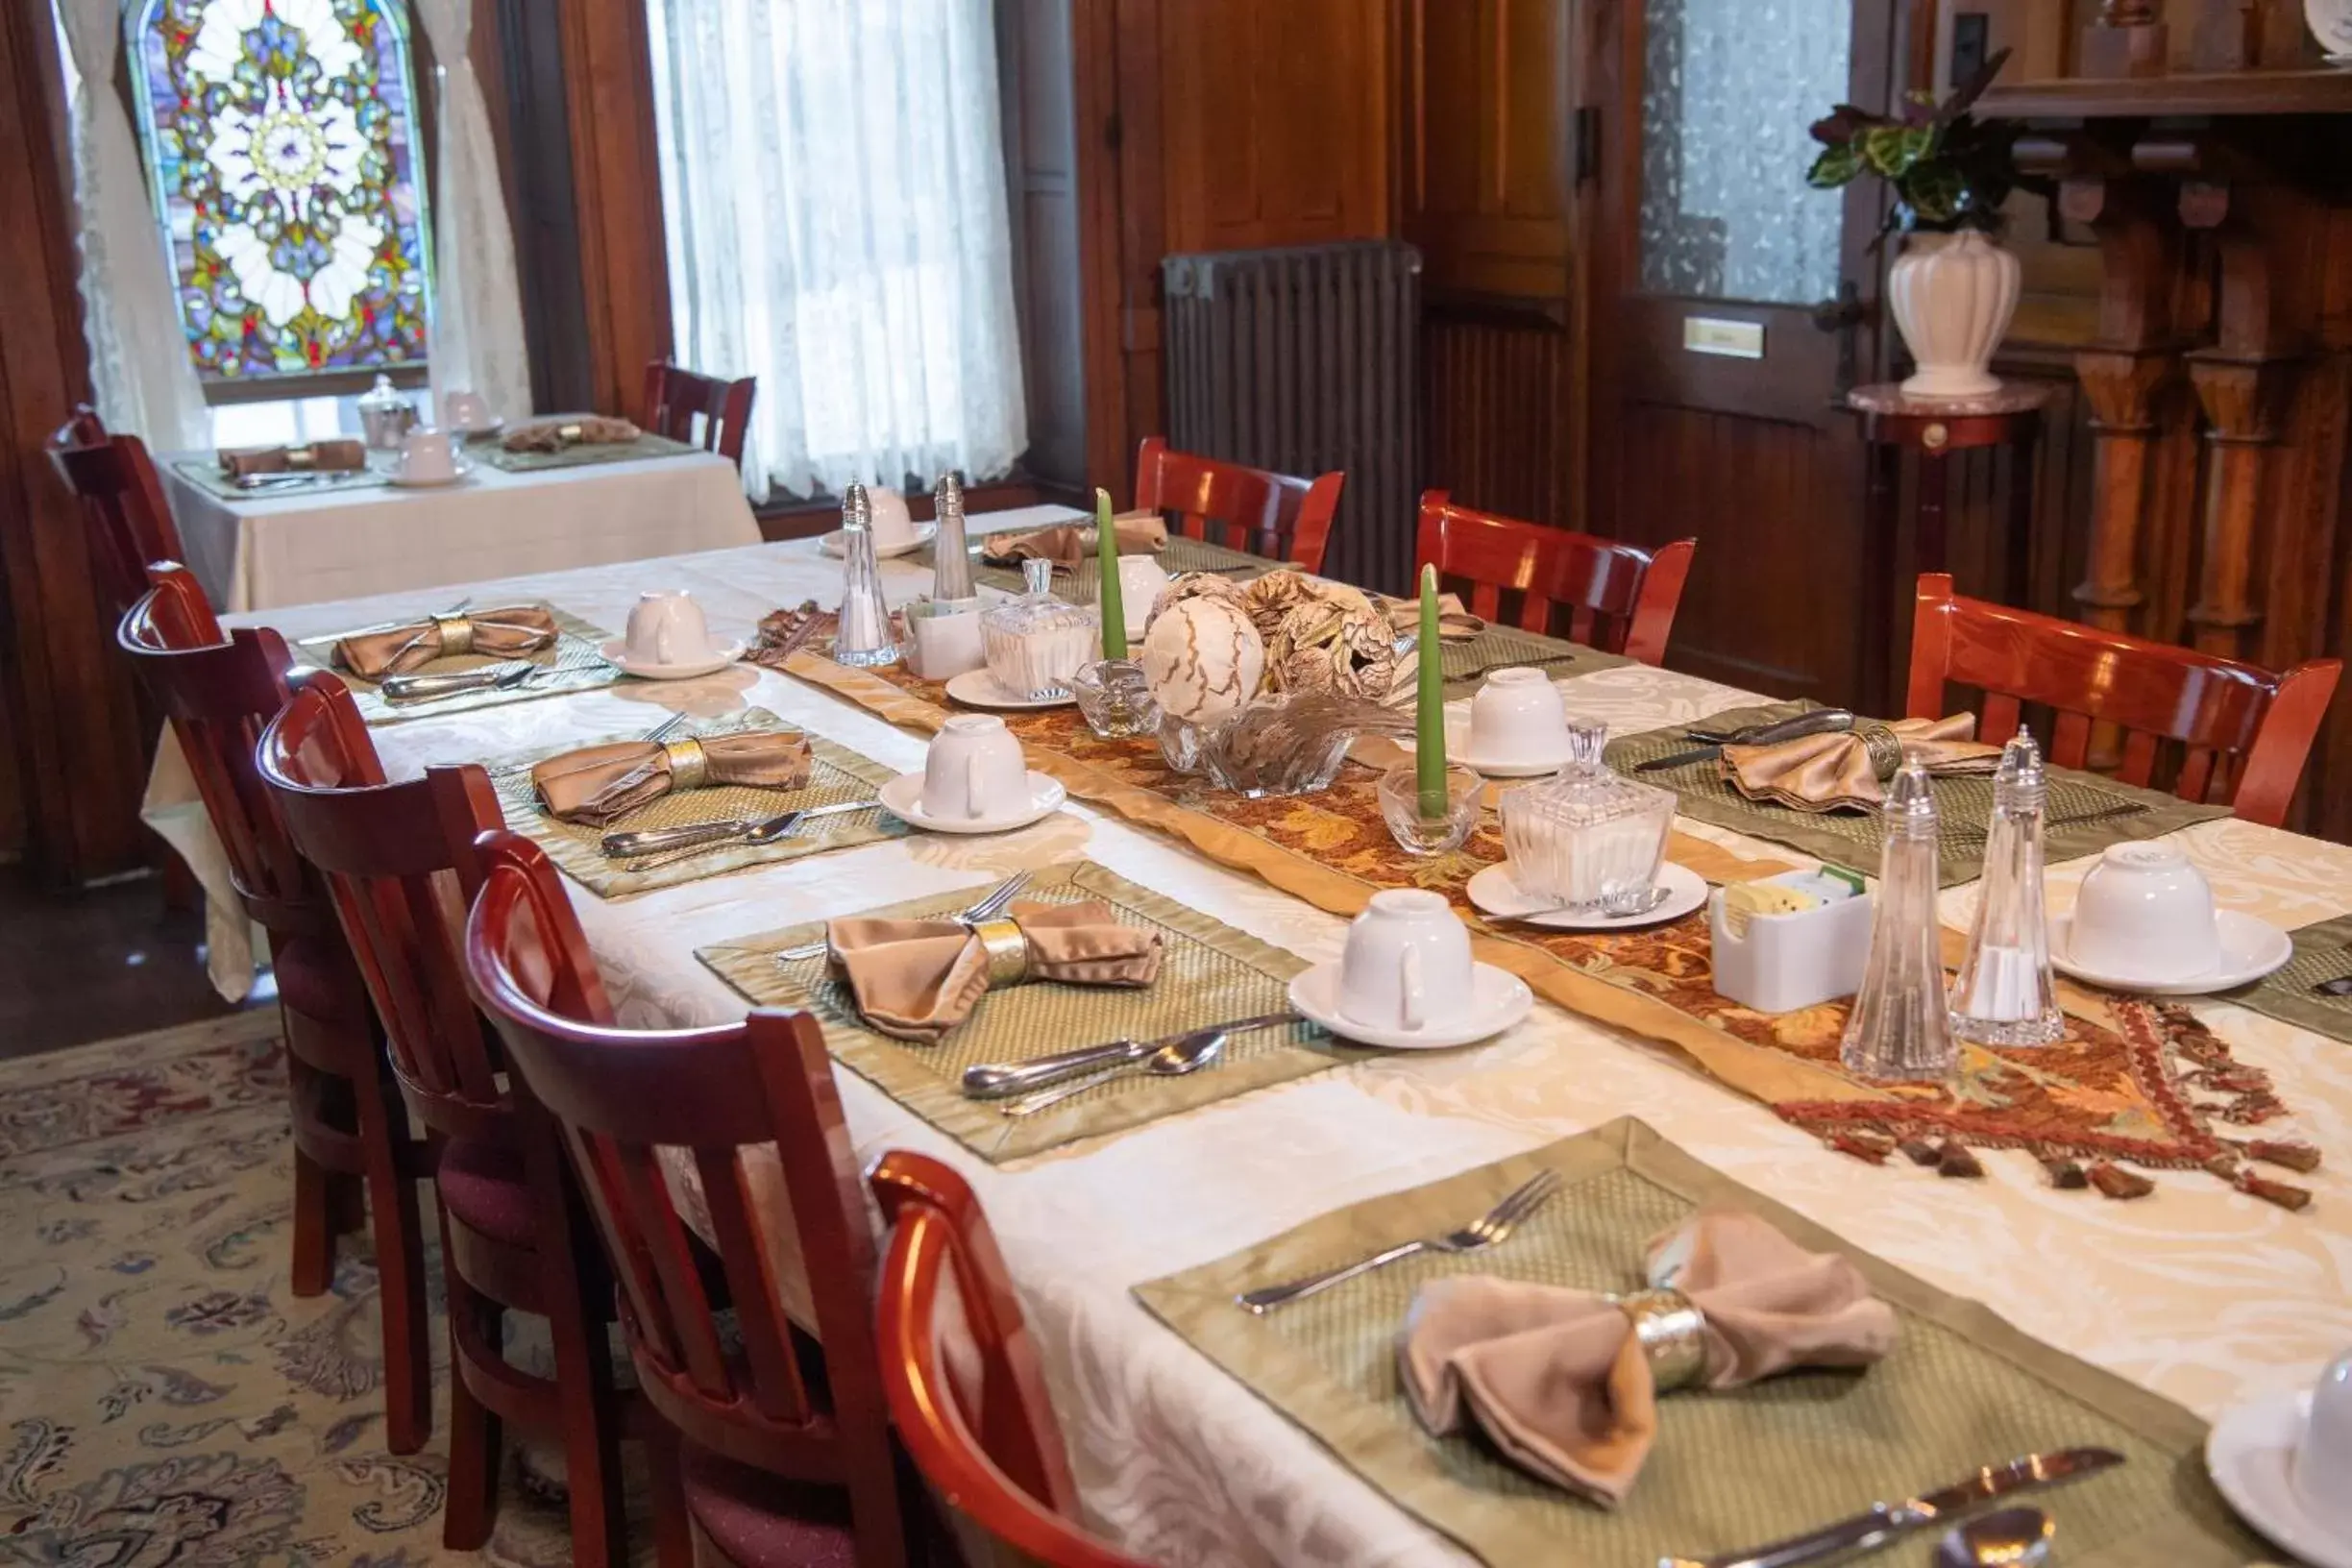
<point x="903" y="797"/>
<point x="925" y="534"/>
<point x="616" y="652"/>
<point x="978" y="689"/>
<point x="398" y="481"/>
<point x="1492" y="891"/>
<point x="2251" y="948"/>
<point x="2250" y="1452"/>
<point x="1459" y="751"/>
<point x="1498" y="1001"/>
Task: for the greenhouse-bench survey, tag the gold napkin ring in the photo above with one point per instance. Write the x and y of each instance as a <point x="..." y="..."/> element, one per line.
<point x="1884" y="749"/>
<point x="301" y="456"/>
<point x="456" y="634"/>
<point x="570" y="432"/>
<point x="689" y="763"/>
<point x="1672" y="1333"/>
<point x="1007" y="950"/>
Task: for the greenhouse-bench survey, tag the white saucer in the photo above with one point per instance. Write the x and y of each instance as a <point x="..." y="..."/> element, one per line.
<point x="1498" y="1001"/>
<point x="902" y="799"/>
<point x="398" y="481"/>
<point x="978" y="689"/>
<point x="478" y="433"/>
<point x="2250" y="1452"/>
<point x="616" y="653"/>
<point x="1493" y="892"/>
<point x="2251" y="948"/>
<point x="925" y="534"/>
<point x="1494" y="768"/>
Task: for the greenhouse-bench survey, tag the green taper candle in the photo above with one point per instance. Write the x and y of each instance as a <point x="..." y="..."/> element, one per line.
<point x="1429" y="745"/>
<point x="1108" y="595"/>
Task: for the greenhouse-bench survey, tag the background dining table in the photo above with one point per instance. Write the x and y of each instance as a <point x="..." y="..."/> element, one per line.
<point x="2197" y="1292"/>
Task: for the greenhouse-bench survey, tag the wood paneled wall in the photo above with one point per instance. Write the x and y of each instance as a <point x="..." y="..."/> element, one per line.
<point x="1036" y="80"/>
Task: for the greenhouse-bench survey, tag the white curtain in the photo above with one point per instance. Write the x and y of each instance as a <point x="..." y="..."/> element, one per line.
<point x="833" y="188"/>
<point x="477" y="330"/>
<point x="139" y="364"/>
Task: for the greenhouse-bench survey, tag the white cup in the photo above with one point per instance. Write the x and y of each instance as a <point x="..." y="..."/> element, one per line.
<point x="665" y="626"/>
<point x="2144" y="912"/>
<point x="1140" y="580"/>
<point x="974" y="769"/>
<point x="1518" y="718"/>
<point x="945" y="637"/>
<point x="2323" y="1459"/>
<point x="887" y="510"/>
<point x="1406" y="961"/>
<point x="465" y="411"/>
<point x="426" y="455"/>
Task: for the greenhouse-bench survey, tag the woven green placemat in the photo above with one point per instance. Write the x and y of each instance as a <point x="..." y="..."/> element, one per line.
<point x="205" y="473"/>
<point x="1962" y="1388"/>
<point x="1209" y="972"/>
<point x="840" y="774"/>
<point x="2322" y="952"/>
<point x="1468" y="662"/>
<point x="1079" y="584"/>
<point x="489" y="450"/>
<point x="573" y="665"/>
<point x="2087" y="812"/>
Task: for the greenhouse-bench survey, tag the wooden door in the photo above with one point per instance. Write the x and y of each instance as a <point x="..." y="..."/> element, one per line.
<point x="1714" y="391"/>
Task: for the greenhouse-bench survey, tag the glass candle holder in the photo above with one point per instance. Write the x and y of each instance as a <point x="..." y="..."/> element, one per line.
<point x="1400" y="802"/>
<point x="1114" y="699"/>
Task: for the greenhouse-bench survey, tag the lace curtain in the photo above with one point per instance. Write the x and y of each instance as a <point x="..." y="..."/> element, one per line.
<point x="834" y="195"/>
<point x="476" y="329"/>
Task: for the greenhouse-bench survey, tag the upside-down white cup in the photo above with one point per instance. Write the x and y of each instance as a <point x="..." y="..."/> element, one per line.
<point x="466" y="411"/>
<point x="1407" y="963"/>
<point x="974" y="768"/>
<point x="2145" y="911"/>
<point x="427" y="456"/>
<point x="665" y="626"/>
<point x="1518" y="717"/>
<point x="887" y="512"/>
<point x="2323" y="1459"/>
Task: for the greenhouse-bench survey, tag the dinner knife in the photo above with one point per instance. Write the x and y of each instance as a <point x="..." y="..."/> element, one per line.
<point x="1819" y="721"/>
<point x="1000" y="1080"/>
<point x="412" y="688"/>
<point x="1885" y="1521"/>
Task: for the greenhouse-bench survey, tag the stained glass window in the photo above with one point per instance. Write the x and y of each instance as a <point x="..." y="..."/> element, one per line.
<point x="280" y="139"/>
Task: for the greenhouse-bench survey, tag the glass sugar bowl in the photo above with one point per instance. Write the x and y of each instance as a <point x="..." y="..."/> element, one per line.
<point x="1587" y="834"/>
<point x="1034" y="643"/>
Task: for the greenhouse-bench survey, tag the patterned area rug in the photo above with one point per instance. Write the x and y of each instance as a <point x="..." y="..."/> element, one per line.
<point x="163" y="1396"/>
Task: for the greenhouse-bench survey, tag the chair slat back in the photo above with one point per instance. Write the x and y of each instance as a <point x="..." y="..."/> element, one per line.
<point x="719" y="1095"/>
<point x="677" y="398"/>
<point x="131" y="523"/>
<point x="2241" y="732"/>
<point x="1613" y="596"/>
<point x="1275" y="515"/>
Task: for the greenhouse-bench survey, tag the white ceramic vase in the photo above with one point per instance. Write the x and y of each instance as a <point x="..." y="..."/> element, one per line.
<point x="2331" y="23"/>
<point x="1952" y="296"/>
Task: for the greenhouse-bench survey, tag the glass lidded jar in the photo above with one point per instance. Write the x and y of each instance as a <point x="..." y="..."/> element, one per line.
<point x="1587" y="834"/>
<point x="1035" y="642"/>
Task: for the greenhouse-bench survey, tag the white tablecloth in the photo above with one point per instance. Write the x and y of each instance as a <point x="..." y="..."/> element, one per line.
<point x="2196" y="1292"/>
<point x="300" y="549"/>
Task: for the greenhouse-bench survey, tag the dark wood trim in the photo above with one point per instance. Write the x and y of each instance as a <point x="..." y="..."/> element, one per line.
<point x="2319" y="91"/>
<point x="616" y="164"/>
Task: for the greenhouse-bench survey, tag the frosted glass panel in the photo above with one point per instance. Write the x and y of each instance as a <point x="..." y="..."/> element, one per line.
<point x="1728" y="90"/>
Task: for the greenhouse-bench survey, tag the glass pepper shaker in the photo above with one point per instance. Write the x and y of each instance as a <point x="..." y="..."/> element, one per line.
<point x="863" y="638"/>
<point x="952" y="571"/>
<point x="1900" y="1027"/>
<point x="2005" y="995"/>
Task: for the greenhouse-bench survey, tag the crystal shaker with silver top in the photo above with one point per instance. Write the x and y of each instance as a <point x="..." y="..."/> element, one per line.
<point x="951" y="573"/>
<point x="1899" y="1028"/>
<point x="863" y="638"/>
<point x="2005" y="995"/>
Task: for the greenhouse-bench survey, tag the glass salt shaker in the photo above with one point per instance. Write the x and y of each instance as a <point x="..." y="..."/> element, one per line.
<point x="952" y="571"/>
<point x="2005" y="995"/>
<point x="865" y="638"/>
<point x="1900" y="1027"/>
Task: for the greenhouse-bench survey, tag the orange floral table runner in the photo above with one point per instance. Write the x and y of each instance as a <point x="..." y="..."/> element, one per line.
<point x="2133" y="1084"/>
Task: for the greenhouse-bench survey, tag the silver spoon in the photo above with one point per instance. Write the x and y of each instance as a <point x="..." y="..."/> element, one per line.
<point x="1615" y="907"/>
<point x="1188" y="1053"/>
<point x="2011" y="1538"/>
<point x="700" y="836"/>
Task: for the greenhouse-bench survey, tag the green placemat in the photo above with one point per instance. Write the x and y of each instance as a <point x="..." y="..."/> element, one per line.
<point x="1468" y="663"/>
<point x="2322" y="952"/>
<point x="206" y="474"/>
<point x="2087" y="811"/>
<point x="487" y="450"/>
<point x="1079" y="584"/>
<point x="1209" y="972"/>
<point x="572" y="665"/>
<point x="840" y="774"/>
<point x="1962" y="1388"/>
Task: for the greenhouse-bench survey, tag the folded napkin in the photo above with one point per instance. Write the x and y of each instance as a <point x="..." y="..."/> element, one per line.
<point x="1066" y="544"/>
<point x="598" y="785"/>
<point x="1565" y="1382"/>
<point x="505" y="634"/>
<point x="1455" y="622"/>
<point x="570" y="430"/>
<point x="338" y="457"/>
<point x="918" y="979"/>
<point x="1842" y="773"/>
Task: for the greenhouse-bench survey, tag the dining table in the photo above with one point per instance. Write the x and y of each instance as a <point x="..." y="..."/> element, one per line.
<point x="2198" y="1294"/>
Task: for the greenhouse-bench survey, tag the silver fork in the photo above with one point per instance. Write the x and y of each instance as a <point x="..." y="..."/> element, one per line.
<point x="986" y="908"/>
<point x="1487" y="1230"/>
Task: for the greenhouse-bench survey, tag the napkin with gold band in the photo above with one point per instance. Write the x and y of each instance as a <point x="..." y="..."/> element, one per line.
<point x="573" y="431"/>
<point x="1067" y="544"/>
<point x="337" y="457"/>
<point x="1842" y="772"/>
<point x="918" y="979"/>
<point x="1565" y="1382"/>
<point x="508" y="633"/>
<point x="600" y="784"/>
<point x="1455" y="622"/>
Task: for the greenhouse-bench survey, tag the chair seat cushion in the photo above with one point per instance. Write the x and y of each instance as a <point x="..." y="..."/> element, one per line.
<point x="484" y="1188"/>
<point x="317" y="979"/>
<point x="762" y="1521"/>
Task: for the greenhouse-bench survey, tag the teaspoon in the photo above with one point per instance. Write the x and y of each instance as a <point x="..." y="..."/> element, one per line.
<point x="1188" y="1053"/>
<point x="2011" y="1538"/>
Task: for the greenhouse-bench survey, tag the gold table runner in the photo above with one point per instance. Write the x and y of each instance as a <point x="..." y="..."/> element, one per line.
<point x="1961" y="1389"/>
<point x="1208" y="974"/>
<point x="572" y="663"/>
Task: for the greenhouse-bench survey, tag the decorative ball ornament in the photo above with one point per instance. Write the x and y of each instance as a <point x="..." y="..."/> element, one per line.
<point x="1202" y="659"/>
<point x="1191" y="586"/>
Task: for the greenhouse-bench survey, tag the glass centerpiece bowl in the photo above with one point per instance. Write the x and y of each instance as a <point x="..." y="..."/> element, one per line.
<point x="1291" y="743"/>
<point x="1587" y="834"/>
<point x="1115" y="698"/>
<point x="1034" y="643"/>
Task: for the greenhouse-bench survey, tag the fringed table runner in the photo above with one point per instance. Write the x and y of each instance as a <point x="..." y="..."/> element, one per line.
<point x="1208" y="974"/>
<point x="1962" y="1388"/>
<point x="487" y="450"/>
<point x="2132" y="1082"/>
<point x="572" y="664"/>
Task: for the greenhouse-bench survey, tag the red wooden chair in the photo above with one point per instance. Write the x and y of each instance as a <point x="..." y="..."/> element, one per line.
<point x="2242" y="734"/>
<point x="673" y="396"/>
<point x="985" y="1438"/>
<point x="399" y="860"/>
<point x="1619" y="598"/>
<point x="1274" y="515"/>
<point x="350" y="1131"/>
<point x="785" y="1458"/>
<point x="129" y="520"/>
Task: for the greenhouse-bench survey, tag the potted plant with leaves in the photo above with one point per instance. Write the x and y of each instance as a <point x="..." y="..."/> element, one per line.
<point x="1953" y="289"/>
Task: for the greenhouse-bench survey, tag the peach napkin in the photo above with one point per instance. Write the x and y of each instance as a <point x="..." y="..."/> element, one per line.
<point x="508" y="632"/>
<point x="337" y="457"/>
<point x="570" y="431"/>
<point x="1066" y="544"/>
<point x="1455" y="622"/>
<point x="598" y="785"/>
<point x="1842" y="773"/>
<point x="918" y="979"/>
